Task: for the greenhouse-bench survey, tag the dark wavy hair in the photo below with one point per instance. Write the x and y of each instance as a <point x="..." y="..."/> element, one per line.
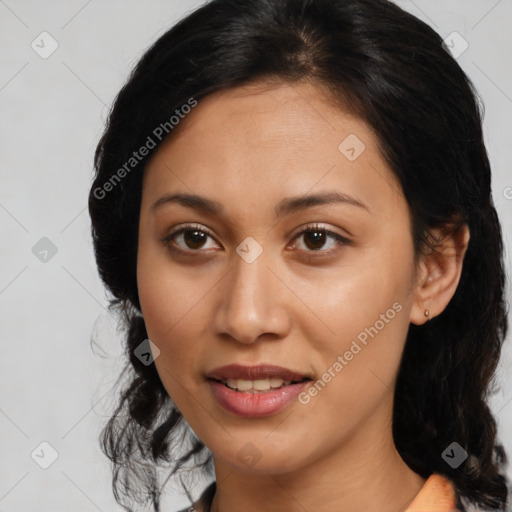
<point x="393" y="71"/>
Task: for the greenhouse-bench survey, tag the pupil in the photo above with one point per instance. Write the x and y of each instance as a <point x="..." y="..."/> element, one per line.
<point x="195" y="240"/>
<point x="316" y="236"/>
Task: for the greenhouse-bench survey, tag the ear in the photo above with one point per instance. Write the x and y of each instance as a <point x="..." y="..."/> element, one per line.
<point x="438" y="273"/>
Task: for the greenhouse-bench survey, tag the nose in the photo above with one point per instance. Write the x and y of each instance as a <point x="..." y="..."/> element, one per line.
<point x="252" y="301"/>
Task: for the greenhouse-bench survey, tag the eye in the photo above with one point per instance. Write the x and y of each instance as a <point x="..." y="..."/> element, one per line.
<point x="315" y="237"/>
<point x="191" y="237"/>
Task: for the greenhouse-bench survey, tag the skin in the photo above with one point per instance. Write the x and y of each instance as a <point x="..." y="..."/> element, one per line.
<point x="249" y="148"/>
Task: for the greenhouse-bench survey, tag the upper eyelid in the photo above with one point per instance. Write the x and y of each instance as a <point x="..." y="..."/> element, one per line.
<point x="187" y="227"/>
<point x="316" y="225"/>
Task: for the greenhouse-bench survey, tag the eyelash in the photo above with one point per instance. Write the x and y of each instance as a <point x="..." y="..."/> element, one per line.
<point x="310" y="228"/>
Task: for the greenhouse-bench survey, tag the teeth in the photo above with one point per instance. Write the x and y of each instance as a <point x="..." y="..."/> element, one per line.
<point x="258" y="385"/>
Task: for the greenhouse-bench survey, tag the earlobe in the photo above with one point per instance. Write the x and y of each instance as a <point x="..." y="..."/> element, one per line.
<point x="439" y="274"/>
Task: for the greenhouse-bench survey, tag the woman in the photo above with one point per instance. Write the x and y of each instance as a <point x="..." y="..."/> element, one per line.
<point x="292" y="208"/>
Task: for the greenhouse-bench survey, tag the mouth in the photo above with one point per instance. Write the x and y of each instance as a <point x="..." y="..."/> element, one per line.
<point x="256" y="391"/>
<point x="256" y="379"/>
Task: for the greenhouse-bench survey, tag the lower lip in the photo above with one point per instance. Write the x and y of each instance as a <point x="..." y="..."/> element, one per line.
<point x="255" y="405"/>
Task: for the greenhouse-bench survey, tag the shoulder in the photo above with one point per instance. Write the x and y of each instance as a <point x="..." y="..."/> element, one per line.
<point x="204" y="502"/>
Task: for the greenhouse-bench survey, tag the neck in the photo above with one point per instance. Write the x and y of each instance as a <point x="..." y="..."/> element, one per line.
<point x="365" y="473"/>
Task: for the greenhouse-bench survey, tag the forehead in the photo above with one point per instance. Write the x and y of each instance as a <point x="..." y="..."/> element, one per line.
<point x="264" y="139"/>
<point x="269" y="113"/>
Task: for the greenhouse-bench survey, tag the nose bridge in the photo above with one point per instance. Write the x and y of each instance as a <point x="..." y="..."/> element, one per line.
<point x="250" y="302"/>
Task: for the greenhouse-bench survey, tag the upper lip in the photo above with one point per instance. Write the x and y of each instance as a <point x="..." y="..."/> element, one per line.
<point x="262" y="371"/>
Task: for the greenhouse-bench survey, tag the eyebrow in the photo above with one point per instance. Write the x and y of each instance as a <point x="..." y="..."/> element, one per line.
<point x="285" y="207"/>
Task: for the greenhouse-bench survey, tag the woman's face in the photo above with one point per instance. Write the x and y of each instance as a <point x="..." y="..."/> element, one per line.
<point x="245" y="285"/>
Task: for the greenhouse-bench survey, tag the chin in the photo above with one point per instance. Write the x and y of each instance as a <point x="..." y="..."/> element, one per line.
<point x="261" y="456"/>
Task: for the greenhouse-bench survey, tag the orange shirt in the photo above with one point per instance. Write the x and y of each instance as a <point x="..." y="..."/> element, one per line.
<point x="436" y="495"/>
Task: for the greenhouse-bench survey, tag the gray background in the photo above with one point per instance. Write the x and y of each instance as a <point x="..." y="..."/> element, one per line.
<point x="54" y="387"/>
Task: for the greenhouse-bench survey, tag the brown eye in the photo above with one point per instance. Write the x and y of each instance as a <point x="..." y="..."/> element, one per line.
<point x="315" y="238"/>
<point x="194" y="239"/>
<point x="189" y="238"/>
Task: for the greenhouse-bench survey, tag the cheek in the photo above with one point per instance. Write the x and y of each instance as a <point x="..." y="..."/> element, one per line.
<point x="353" y="297"/>
<point x="357" y="366"/>
<point x="168" y="293"/>
<point x="364" y="313"/>
<point x="171" y="307"/>
<point x="168" y="311"/>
